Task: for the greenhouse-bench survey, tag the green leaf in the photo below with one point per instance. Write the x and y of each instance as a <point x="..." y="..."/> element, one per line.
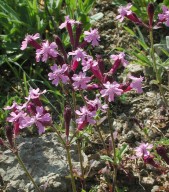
<point x="120" y="152"/>
<point x="88" y="5"/>
<point x="167" y="41"/>
<point x="106" y="158"/>
<point x="130" y="31"/>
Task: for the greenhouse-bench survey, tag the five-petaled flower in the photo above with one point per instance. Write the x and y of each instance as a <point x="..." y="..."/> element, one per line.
<point x="111" y="90"/>
<point x="78" y="54"/>
<point x="120" y="57"/>
<point x="124" y="11"/>
<point x="48" y="50"/>
<point x="92" y="36"/>
<point x="94" y="105"/>
<point x="28" y="39"/>
<point x="136" y="83"/>
<point x="86" y="117"/>
<point x="142" y="149"/>
<point x="34" y="94"/>
<point x="68" y="20"/>
<point x="41" y="119"/>
<point x="58" y="74"/>
<point x="88" y="63"/>
<point x="164" y="17"/>
<point x="80" y="81"/>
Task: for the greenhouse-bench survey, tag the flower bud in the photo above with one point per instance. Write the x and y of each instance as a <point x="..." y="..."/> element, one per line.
<point x="150" y="160"/>
<point x="34" y="44"/>
<point x="70" y="31"/>
<point x="67" y="118"/>
<point x="163" y="153"/>
<point x="9" y="135"/>
<point x="150" y="11"/>
<point x="60" y="46"/>
<point x="96" y="72"/>
<point x="100" y="63"/>
<point x="133" y="17"/>
<point x="75" y="65"/>
<point x="78" y="33"/>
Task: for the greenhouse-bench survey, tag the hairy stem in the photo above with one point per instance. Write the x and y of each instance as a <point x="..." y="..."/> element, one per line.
<point x="101" y="138"/>
<point x="81" y="162"/>
<point x="26" y="171"/>
<point x="78" y="142"/>
<point x="114" y="149"/>
<point x="70" y="167"/>
<point x="158" y="78"/>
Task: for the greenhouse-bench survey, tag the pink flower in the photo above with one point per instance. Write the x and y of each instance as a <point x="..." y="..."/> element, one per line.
<point x="120" y="57"/>
<point x="141" y="150"/>
<point x="92" y="36"/>
<point x="28" y="39"/>
<point x="41" y="119"/>
<point x="136" y="83"/>
<point x="78" y="54"/>
<point x="58" y="74"/>
<point x="124" y="11"/>
<point x="80" y="81"/>
<point x="34" y="94"/>
<point x="47" y="51"/>
<point x="16" y="116"/>
<point x="14" y="106"/>
<point x="94" y="105"/>
<point x="111" y="90"/>
<point x="86" y="117"/>
<point x="88" y="63"/>
<point x="164" y="17"/>
<point x="18" y="119"/>
<point x="68" y="20"/>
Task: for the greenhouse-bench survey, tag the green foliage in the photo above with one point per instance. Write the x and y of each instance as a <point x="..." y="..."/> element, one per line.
<point x="120" y="152"/>
<point x="106" y="158"/>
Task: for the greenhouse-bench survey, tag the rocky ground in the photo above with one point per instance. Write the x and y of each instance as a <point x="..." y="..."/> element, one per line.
<point x="137" y="118"/>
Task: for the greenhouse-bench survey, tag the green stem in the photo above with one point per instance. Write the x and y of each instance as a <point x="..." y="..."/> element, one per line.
<point x="70" y="167"/>
<point x="101" y="138"/>
<point x="81" y="162"/>
<point x="114" y="149"/>
<point x="57" y="132"/>
<point x="26" y="171"/>
<point x="158" y="78"/>
<point x="78" y="142"/>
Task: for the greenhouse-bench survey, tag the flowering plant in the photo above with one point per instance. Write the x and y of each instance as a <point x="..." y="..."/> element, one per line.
<point x="76" y="73"/>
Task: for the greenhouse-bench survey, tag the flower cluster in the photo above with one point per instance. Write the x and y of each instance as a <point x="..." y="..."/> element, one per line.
<point x="30" y="113"/>
<point x="125" y="11"/>
<point x="81" y="71"/>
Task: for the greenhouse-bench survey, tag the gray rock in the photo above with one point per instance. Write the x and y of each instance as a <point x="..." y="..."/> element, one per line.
<point x="135" y="69"/>
<point x="44" y="158"/>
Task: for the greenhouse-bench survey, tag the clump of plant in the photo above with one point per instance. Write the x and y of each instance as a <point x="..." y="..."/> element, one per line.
<point x="89" y="89"/>
<point x="154" y="60"/>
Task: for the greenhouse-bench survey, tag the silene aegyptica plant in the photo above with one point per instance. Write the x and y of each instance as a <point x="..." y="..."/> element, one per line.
<point x="163" y="18"/>
<point x="75" y="73"/>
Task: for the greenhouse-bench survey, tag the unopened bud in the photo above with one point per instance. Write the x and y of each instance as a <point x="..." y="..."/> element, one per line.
<point x="150" y="160"/>
<point x="70" y="31"/>
<point x="150" y="11"/>
<point x="163" y="153"/>
<point x="34" y="44"/>
<point x="67" y="117"/>
<point x="78" y="34"/>
<point x="60" y="46"/>
<point x="9" y="135"/>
